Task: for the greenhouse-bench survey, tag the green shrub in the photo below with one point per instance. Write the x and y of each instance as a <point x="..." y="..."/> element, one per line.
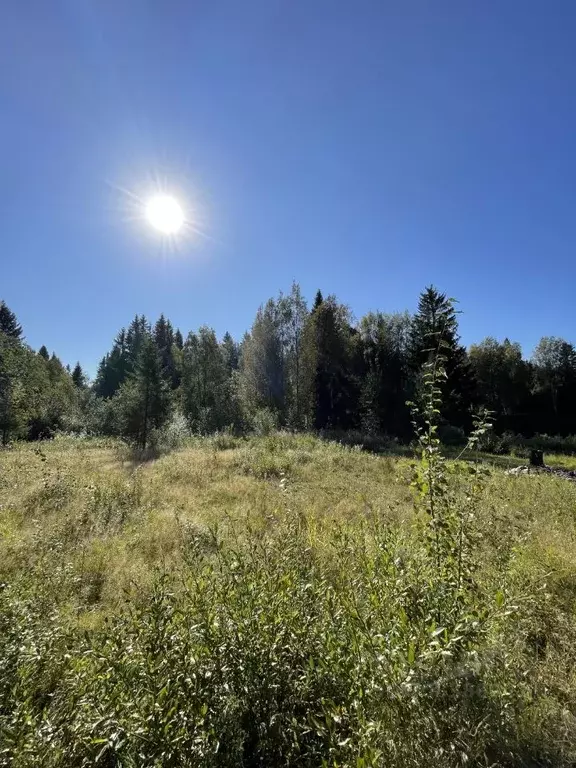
<point x="175" y="434"/>
<point x="509" y="442"/>
<point x="264" y="422"/>
<point x="271" y="655"/>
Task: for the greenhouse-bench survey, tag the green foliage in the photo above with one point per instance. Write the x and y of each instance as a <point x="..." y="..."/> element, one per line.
<point x="436" y="321"/>
<point x="286" y="637"/>
<point x="510" y="443"/>
<point x="330" y="355"/>
<point x="319" y="370"/>
<point x="386" y="380"/>
<point x="9" y="325"/>
<point x="78" y="377"/>
<point x="37" y="395"/>
<point x="448" y="523"/>
<point x="502" y="376"/>
<point x="230" y="353"/>
<point x="143" y="400"/>
<point x="165" y="344"/>
<point x="120" y="362"/>
<point x="264" y="422"/>
<point x="262" y="373"/>
<point x="206" y="391"/>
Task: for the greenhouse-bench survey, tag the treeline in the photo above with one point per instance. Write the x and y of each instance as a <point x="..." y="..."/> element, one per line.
<point x="298" y="367"/>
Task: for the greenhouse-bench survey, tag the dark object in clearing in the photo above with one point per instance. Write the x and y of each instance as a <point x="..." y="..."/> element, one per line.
<point x="536" y="458"/>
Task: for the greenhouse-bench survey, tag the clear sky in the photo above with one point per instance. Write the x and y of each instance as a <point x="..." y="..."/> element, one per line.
<point x="366" y="148"/>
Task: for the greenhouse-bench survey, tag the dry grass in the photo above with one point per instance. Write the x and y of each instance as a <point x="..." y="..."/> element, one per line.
<point x="93" y="529"/>
<point x="114" y="522"/>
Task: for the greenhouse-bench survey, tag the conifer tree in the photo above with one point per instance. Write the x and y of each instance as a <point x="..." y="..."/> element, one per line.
<point x="435" y="330"/>
<point x="164" y="339"/>
<point x="205" y="391"/>
<point x="8" y="322"/>
<point x="329" y="355"/>
<point x="78" y="376"/>
<point x="144" y="399"/>
<point x="385" y="373"/>
<point x="230" y="353"/>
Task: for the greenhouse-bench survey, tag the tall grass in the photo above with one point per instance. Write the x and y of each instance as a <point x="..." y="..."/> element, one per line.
<point x="283" y="601"/>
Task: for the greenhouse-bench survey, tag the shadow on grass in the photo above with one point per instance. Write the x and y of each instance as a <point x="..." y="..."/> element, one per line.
<point x="390" y="446"/>
<point x="135" y="456"/>
<point x="372" y="443"/>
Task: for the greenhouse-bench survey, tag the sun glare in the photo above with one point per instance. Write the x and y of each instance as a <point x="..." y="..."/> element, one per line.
<point x="165" y="214"/>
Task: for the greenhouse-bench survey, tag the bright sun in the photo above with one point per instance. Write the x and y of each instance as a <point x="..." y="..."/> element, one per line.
<point x="165" y="214"/>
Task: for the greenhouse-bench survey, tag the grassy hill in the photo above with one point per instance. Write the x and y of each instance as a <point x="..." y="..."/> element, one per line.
<point x="281" y="601"/>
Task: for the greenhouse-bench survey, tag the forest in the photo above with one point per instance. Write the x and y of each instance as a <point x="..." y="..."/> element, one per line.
<point x="298" y="367"/>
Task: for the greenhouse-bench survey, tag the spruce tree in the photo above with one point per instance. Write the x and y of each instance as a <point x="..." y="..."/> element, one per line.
<point x="230" y="353"/>
<point x="204" y="388"/>
<point x="385" y="373"/>
<point x="435" y="331"/>
<point x="144" y="400"/>
<point x="137" y="331"/>
<point x="78" y="376"/>
<point x="8" y="322"/>
<point x="329" y="361"/>
<point x="43" y="352"/>
<point x="164" y="339"/>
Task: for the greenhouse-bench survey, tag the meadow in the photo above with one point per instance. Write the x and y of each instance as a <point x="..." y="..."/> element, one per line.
<point x="282" y="601"/>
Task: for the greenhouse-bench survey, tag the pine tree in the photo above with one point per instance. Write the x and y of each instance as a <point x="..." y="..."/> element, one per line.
<point x="318" y="299"/>
<point x="43" y="352"/>
<point x="178" y="340"/>
<point x="8" y="322"/>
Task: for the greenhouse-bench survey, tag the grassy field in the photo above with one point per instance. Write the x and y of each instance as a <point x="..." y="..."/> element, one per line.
<point x="276" y="601"/>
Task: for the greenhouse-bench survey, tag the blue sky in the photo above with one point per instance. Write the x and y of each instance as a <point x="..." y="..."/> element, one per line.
<point x="366" y="148"/>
